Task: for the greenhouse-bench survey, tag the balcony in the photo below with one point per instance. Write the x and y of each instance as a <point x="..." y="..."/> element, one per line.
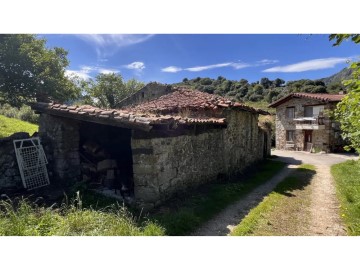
<point x="312" y="123"/>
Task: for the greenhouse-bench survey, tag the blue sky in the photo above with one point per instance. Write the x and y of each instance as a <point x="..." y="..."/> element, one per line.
<point x="168" y="58"/>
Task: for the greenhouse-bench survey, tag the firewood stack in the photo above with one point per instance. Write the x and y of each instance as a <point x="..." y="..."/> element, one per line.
<point x="100" y="170"/>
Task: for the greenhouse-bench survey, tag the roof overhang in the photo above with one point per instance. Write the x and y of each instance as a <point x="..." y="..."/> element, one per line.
<point x="122" y="118"/>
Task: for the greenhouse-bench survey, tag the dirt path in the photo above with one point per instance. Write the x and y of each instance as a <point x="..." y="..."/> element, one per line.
<point x="223" y="223"/>
<point x="325" y="218"/>
<point x="324" y="207"/>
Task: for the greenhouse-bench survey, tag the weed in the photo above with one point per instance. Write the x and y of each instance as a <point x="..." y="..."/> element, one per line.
<point x="23" y="217"/>
<point x="347" y="179"/>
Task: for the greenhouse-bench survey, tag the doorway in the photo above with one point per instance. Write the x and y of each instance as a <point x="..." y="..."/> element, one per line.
<point x="106" y="157"/>
<point x="308" y="140"/>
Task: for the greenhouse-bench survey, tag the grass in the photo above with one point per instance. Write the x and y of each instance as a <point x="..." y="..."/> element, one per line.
<point x="347" y="179"/>
<point x="185" y="215"/>
<point x="284" y="211"/>
<point x="23" y="217"/>
<point x="9" y="126"/>
<point x="92" y="215"/>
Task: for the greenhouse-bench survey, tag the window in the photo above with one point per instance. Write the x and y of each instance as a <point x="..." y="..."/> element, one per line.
<point x="308" y="111"/>
<point x="290" y="135"/>
<point x="290" y="112"/>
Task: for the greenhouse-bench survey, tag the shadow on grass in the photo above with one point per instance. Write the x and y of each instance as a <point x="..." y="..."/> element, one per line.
<point x="299" y="179"/>
<point x="288" y="160"/>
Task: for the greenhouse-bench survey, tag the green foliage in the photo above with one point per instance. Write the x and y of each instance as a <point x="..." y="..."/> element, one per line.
<point x="22" y="217"/>
<point x="29" y="71"/>
<point x="347" y="179"/>
<point x="339" y="38"/>
<point x="200" y="206"/>
<point x="278" y="82"/>
<point x="9" y="126"/>
<point x="348" y="110"/>
<point x="206" y="81"/>
<point x="263" y="90"/>
<point x="265" y="82"/>
<point x="109" y="89"/>
<point x="335" y="87"/>
<point x="24" y="113"/>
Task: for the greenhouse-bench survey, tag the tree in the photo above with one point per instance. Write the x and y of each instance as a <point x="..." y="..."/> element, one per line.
<point x="206" y="81"/>
<point x="226" y="86"/>
<point x="278" y="82"/>
<point x="265" y="82"/>
<point x="348" y="110"/>
<point x="109" y="89"/>
<point x="243" y="82"/>
<point x="31" y="72"/>
<point x="258" y="89"/>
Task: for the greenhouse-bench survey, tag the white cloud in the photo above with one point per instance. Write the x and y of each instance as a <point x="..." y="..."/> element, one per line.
<point x="135" y="65"/>
<point x="235" y="65"/>
<point x="83" y="74"/>
<point x="201" y="68"/>
<point x="107" y="45"/>
<point x="264" y="62"/>
<point x="171" y="69"/>
<point x="239" y="65"/>
<point x="314" y="64"/>
<point x="107" y="71"/>
<point x="85" y="71"/>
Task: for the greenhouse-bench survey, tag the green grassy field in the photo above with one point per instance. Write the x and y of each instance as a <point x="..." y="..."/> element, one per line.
<point x="284" y="211"/>
<point x="347" y="179"/>
<point x="8" y="126"/>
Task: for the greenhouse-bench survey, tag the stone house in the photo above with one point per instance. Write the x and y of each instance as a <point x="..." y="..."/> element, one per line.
<point x="303" y="122"/>
<point x="161" y="141"/>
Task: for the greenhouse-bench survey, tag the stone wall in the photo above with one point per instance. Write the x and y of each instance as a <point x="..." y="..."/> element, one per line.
<point x="322" y="139"/>
<point x="164" y="166"/>
<point x="9" y="170"/>
<point x="60" y="139"/>
<point x="149" y="92"/>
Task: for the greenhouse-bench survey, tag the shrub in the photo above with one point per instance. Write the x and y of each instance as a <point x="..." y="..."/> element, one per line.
<point x="24" y="113"/>
<point x="9" y="111"/>
<point x="28" y="115"/>
<point x="232" y="93"/>
<point x="254" y="97"/>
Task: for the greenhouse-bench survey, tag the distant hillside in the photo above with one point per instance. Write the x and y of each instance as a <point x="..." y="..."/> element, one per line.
<point x="344" y="74"/>
<point x="266" y="90"/>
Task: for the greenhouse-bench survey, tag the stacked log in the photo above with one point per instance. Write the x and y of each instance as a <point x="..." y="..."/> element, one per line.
<point x="99" y="170"/>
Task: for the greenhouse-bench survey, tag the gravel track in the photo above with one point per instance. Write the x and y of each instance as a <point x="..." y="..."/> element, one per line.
<point x="325" y="219"/>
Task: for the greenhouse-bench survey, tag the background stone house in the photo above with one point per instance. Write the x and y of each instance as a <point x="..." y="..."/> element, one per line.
<point x="303" y="122"/>
<point x="162" y="141"/>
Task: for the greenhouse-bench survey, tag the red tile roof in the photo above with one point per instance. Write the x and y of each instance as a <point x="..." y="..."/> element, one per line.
<point x="165" y="110"/>
<point x="194" y="100"/>
<point x="320" y="97"/>
<point x="122" y="118"/>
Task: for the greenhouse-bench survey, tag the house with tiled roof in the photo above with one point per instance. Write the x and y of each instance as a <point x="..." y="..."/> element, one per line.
<point x="161" y="141"/>
<point x="303" y="122"/>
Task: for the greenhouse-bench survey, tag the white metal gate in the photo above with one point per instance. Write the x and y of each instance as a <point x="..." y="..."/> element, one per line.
<point x="32" y="163"/>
